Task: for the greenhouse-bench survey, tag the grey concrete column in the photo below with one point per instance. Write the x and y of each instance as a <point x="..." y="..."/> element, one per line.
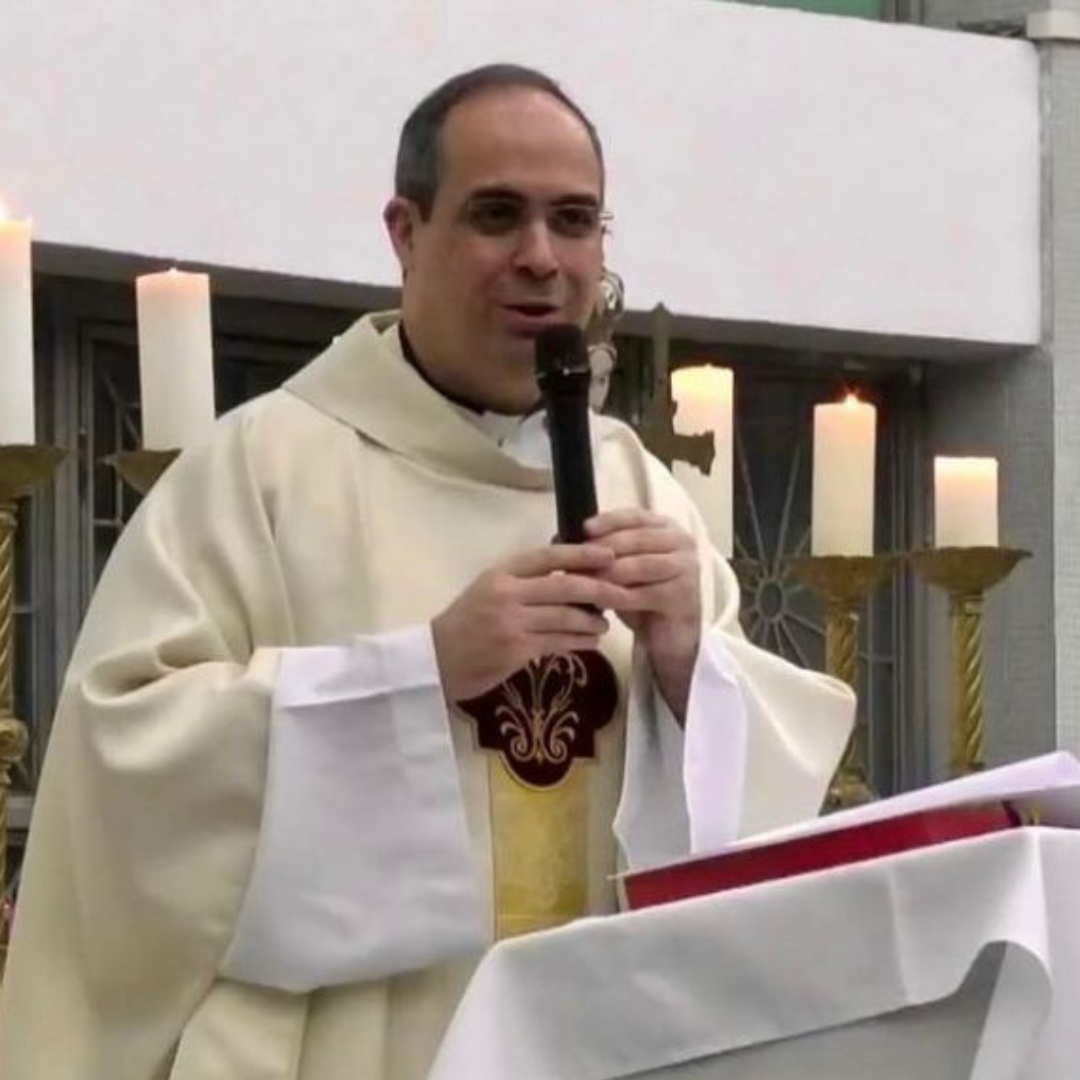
<point x="1026" y="409"/>
<point x="1057" y="32"/>
<point x="1033" y="406"/>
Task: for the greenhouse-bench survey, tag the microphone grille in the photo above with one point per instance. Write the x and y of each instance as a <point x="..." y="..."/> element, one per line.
<point x="561" y="348"/>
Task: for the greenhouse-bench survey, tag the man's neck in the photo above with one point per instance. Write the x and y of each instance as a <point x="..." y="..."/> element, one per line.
<point x="522" y="440"/>
<point x="418" y="365"/>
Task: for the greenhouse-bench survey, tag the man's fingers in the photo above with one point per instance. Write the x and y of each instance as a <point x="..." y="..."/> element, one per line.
<point x="648" y="540"/>
<point x="632" y="571"/>
<point x="629" y="518"/>
<point x="567" y="558"/>
<point x="563" y="619"/>
<point x="564" y="588"/>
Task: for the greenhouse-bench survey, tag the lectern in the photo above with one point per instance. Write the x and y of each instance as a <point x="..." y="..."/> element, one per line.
<point x="955" y="961"/>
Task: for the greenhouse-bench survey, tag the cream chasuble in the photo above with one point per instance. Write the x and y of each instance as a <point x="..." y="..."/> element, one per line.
<point x="355" y="501"/>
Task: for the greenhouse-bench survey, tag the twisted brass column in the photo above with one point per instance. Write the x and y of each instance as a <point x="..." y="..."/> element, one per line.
<point x="966" y="743"/>
<point x="966" y="574"/>
<point x="21" y="469"/>
<point x="845" y="582"/>
<point x="842" y="641"/>
<point x="13" y="737"/>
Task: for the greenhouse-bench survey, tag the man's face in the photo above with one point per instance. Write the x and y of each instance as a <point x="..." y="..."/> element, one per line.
<point x="512" y="244"/>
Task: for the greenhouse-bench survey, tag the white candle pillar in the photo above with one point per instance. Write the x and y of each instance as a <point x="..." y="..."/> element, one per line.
<point x="176" y="359"/>
<point x="705" y="397"/>
<point x="842" y="513"/>
<point x="965" y="502"/>
<point x="16" y="333"/>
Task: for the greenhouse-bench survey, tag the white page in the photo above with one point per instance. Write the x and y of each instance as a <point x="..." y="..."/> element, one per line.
<point x="1049" y="783"/>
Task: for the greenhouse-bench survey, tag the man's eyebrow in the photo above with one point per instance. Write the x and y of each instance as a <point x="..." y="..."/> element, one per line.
<point x="586" y="198"/>
<point x="496" y="191"/>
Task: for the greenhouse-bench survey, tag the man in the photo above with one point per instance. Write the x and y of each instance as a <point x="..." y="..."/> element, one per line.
<point x="341" y="714"/>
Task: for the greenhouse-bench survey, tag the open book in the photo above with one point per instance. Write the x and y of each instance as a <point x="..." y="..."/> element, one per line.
<point x="1043" y="790"/>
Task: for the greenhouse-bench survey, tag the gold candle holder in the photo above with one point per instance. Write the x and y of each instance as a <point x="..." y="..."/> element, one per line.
<point x="22" y="468"/>
<point x="141" y="469"/>
<point x="845" y="582"/>
<point x="966" y="574"/>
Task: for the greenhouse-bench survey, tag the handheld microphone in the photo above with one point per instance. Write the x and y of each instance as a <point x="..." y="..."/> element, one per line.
<point x="563" y="374"/>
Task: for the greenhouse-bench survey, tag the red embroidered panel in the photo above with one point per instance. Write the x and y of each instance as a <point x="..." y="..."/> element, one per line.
<point x="546" y="716"/>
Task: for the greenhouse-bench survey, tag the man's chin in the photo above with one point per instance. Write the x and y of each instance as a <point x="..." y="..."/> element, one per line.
<point x="515" y="389"/>
<point x="517" y="397"/>
<point x="515" y="404"/>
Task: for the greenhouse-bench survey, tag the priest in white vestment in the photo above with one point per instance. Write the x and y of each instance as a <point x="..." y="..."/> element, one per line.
<point x="342" y="715"/>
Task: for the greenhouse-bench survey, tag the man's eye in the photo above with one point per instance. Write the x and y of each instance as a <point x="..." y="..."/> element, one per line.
<point x="574" y="220"/>
<point x="494" y="217"/>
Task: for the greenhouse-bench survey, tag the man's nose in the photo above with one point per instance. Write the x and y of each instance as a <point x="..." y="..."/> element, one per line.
<point x="535" y="252"/>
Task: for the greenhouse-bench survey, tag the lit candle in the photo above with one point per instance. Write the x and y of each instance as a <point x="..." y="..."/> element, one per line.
<point x="842" y="514"/>
<point x="965" y="502"/>
<point x="16" y="333"/>
<point x="176" y="359"/>
<point x="704" y="397"/>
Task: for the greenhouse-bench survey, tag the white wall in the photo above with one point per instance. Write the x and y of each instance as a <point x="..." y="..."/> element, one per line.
<point x="765" y="165"/>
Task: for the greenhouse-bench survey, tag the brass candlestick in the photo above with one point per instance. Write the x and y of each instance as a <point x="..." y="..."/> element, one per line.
<point x="141" y="469"/>
<point x="966" y="573"/>
<point x="22" y="468"/>
<point x="845" y="582"/>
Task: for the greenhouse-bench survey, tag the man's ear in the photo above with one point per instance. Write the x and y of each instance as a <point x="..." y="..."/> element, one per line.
<point x="402" y="220"/>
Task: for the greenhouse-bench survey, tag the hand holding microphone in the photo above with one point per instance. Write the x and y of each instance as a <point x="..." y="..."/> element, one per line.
<point x="655" y="563"/>
<point x="546" y="601"/>
<point x="632" y="561"/>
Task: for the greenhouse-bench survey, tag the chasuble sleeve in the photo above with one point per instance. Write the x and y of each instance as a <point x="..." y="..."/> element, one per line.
<point x="148" y="818"/>
<point x="798" y="721"/>
<point x="761" y="739"/>
<point x="149" y="805"/>
<point x="363" y="866"/>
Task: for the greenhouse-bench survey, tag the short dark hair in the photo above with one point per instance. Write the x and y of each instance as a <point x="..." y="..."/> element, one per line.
<point x="417" y="172"/>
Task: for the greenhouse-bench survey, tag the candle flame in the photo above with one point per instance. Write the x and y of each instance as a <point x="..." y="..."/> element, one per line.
<point x="852" y="398"/>
<point x="8" y="218"/>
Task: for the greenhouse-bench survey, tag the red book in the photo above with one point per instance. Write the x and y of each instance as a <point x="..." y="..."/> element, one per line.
<point x="820" y="851"/>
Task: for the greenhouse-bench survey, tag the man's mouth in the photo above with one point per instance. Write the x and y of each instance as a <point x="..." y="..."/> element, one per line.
<point x="530" y="318"/>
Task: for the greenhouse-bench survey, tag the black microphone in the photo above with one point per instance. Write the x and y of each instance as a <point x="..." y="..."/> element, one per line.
<point x="563" y="374"/>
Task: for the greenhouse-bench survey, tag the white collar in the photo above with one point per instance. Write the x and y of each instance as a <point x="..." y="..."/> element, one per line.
<point x="524" y="438"/>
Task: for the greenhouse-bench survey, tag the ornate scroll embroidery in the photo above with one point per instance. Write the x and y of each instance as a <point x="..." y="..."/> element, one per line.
<point x="546" y="716"/>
